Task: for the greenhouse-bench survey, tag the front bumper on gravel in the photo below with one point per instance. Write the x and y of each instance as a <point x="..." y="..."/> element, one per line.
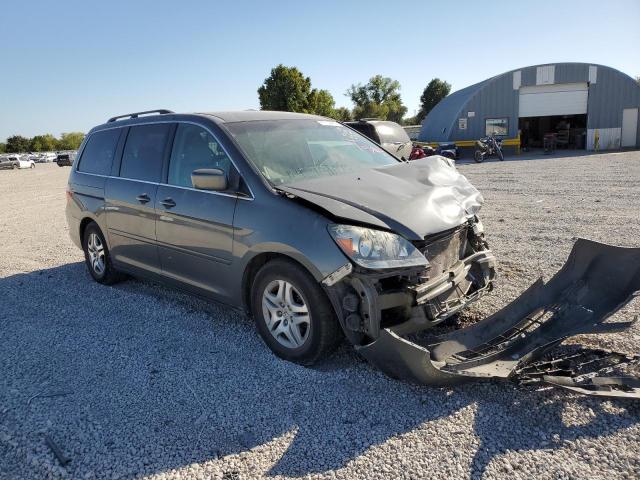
<point x="515" y="343"/>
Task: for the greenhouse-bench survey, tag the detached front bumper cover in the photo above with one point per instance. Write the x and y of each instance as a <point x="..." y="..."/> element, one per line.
<point x="595" y="282"/>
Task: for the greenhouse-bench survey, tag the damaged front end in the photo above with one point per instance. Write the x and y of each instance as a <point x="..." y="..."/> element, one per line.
<point x="460" y="269"/>
<point x="377" y="310"/>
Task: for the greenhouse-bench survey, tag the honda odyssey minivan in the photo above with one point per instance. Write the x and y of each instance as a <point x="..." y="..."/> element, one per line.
<point x="303" y="222"/>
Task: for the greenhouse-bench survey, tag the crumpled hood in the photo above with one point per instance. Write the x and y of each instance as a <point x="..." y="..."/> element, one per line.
<point x="414" y="199"/>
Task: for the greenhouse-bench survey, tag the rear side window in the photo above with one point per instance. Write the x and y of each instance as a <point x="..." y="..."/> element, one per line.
<point x="142" y="156"/>
<point x="363" y="128"/>
<point x="99" y="151"/>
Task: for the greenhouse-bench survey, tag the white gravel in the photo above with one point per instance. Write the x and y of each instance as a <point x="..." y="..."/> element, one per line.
<point x="158" y="384"/>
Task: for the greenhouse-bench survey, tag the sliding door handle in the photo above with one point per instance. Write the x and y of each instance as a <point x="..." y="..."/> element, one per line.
<point x="168" y="203"/>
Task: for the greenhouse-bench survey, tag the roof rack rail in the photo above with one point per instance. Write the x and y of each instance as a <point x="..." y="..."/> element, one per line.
<point x="161" y="111"/>
<point x="366" y="119"/>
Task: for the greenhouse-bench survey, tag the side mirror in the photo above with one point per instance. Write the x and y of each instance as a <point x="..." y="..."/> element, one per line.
<point x="209" y="179"/>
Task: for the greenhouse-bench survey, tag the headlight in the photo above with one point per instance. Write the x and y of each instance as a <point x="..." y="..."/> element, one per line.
<point x="376" y="249"/>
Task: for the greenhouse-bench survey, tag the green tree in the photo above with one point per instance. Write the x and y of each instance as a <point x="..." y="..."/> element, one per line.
<point x="379" y="98"/>
<point x="286" y="89"/>
<point x="43" y="143"/>
<point x="342" y="114"/>
<point x="435" y="91"/>
<point x="70" y="141"/>
<point x="320" y="102"/>
<point x="3" y="147"/>
<point x="17" y="144"/>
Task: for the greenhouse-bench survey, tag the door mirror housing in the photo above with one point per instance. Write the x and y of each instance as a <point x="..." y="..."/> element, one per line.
<point x="209" y="179"/>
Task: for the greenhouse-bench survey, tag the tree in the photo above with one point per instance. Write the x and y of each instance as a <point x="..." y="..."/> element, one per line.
<point x="17" y="144"/>
<point x="379" y="98"/>
<point x="70" y="141"/>
<point x="286" y="89"/>
<point x="43" y="143"/>
<point x="3" y="147"/>
<point x="320" y="102"/>
<point x="342" y="114"/>
<point x="435" y="91"/>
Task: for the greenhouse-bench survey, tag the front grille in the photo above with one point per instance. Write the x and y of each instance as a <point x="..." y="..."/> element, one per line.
<point x="444" y="250"/>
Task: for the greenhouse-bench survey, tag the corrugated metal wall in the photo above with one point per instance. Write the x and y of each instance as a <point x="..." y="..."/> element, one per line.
<point x="496" y="97"/>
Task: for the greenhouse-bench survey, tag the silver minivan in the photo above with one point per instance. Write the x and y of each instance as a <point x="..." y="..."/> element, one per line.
<point x="312" y="228"/>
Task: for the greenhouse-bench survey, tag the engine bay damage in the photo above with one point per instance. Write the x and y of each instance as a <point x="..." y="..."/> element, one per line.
<point x="519" y="343"/>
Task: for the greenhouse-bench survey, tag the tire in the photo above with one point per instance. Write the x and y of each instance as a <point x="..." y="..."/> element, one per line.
<point x="33" y="165"/>
<point x="94" y="244"/>
<point x="478" y="156"/>
<point x="13" y="166"/>
<point x="500" y="155"/>
<point x="272" y="312"/>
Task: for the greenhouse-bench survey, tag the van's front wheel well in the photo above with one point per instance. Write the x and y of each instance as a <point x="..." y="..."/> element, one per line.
<point x="255" y="264"/>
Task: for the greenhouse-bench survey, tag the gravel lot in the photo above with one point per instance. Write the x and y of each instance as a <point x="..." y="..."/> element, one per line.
<point x="155" y="384"/>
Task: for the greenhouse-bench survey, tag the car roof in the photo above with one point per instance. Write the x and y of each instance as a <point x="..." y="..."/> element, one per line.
<point x="218" y="117"/>
<point x="257" y="115"/>
<point x="372" y="121"/>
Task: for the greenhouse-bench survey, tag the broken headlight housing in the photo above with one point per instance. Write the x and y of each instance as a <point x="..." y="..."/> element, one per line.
<point x="376" y="249"/>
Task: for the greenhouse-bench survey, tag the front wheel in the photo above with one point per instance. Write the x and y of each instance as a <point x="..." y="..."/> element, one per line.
<point x="33" y="165"/>
<point x="292" y="313"/>
<point x="478" y="156"/>
<point x="500" y="155"/>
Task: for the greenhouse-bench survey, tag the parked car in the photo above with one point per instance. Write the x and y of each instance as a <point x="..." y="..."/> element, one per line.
<point x="65" y="159"/>
<point x="46" y="157"/>
<point x="389" y="135"/>
<point x="9" y="161"/>
<point x="307" y="224"/>
<point x="26" y="162"/>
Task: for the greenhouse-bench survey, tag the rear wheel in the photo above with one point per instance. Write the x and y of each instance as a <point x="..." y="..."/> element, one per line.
<point x="33" y="165"/>
<point x="292" y="313"/>
<point x="478" y="156"/>
<point x="97" y="258"/>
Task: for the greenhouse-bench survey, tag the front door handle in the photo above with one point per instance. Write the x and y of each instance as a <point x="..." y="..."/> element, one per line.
<point x="144" y="198"/>
<point x="168" y="203"/>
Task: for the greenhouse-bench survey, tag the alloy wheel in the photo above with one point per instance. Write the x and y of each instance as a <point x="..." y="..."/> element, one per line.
<point x="286" y="314"/>
<point x="95" y="249"/>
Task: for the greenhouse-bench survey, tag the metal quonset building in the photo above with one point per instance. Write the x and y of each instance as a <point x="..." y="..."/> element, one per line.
<point x="584" y="105"/>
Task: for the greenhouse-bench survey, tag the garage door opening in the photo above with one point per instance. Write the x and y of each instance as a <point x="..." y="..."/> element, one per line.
<point x="557" y="111"/>
<point x="569" y="131"/>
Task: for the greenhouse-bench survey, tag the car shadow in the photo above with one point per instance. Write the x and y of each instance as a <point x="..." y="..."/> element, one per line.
<point x="155" y="380"/>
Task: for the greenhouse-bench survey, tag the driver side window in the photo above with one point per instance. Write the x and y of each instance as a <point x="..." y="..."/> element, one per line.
<point x="194" y="148"/>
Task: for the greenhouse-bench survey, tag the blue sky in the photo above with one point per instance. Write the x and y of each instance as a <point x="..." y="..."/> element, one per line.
<point x="69" y="65"/>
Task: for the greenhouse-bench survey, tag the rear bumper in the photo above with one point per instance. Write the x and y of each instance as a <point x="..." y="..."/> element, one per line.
<point x="74" y="228"/>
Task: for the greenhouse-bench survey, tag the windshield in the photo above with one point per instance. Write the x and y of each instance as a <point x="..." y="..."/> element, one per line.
<point x="287" y="151"/>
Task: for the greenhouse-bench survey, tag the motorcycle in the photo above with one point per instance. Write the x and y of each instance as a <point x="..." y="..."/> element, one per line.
<point x="486" y="147"/>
